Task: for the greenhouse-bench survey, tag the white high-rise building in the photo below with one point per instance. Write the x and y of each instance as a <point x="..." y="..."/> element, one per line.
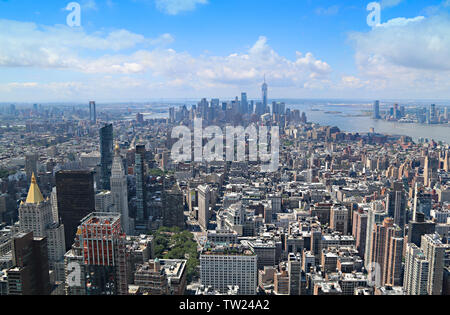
<point x="424" y="267"/>
<point x="434" y="251"/>
<point x="119" y="191"/>
<point x="225" y="267"/>
<point x="416" y="271"/>
<point x="56" y="245"/>
<point x="375" y="215"/>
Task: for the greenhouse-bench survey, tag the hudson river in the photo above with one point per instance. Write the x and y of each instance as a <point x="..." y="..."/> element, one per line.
<point x="351" y="118"/>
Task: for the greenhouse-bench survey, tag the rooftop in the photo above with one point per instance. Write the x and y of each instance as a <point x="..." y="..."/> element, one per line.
<point x="229" y="250"/>
<point x="34" y="194"/>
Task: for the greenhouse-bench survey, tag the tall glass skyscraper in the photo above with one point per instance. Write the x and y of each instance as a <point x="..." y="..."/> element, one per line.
<point x="376" y="110"/>
<point x="265" y="89"/>
<point x="244" y="103"/>
<point x="92" y="112"/>
<point x="106" y="151"/>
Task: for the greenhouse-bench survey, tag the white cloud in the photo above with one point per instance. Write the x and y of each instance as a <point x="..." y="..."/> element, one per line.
<point x="173" y="7"/>
<point x="408" y="55"/>
<point x="62" y="48"/>
<point x="30" y="45"/>
<point x="401" y="21"/>
<point x="234" y="70"/>
<point x="352" y="82"/>
<point x="417" y="43"/>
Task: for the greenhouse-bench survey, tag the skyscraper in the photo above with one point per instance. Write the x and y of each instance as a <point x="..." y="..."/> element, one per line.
<point x="29" y="274"/>
<point x="101" y="243"/>
<point x="265" y="89"/>
<point x="376" y="110"/>
<point x="387" y="248"/>
<point x="447" y="161"/>
<point x="141" y="194"/>
<point x="106" y="151"/>
<point x="31" y="165"/>
<point x="295" y="274"/>
<point x="396" y="204"/>
<point x="119" y="191"/>
<point x="416" y="271"/>
<point x="360" y="231"/>
<point x="434" y="251"/>
<point x="35" y="215"/>
<point x="76" y="199"/>
<point x="244" y="103"/>
<point x="431" y="165"/>
<point x="173" y="208"/>
<point x="259" y="109"/>
<point x="374" y="216"/>
<point x="92" y="112"/>
<point x="422" y="202"/>
<point x="203" y="206"/>
<point x="394" y="261"/>
<point x="433" y="113"/>
<point x="419" y="227"/>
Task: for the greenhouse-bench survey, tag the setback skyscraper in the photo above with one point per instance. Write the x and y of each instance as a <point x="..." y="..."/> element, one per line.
<point x="35" y="215"/>
<point x="119" y="191"/>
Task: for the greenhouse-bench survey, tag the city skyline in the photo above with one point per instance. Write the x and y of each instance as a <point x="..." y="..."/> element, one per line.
<point x="323" y="49"/>
<point x="228" y="154"/>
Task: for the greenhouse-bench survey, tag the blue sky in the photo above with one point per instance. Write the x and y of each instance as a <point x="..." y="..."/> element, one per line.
<point x="148" y="49"/>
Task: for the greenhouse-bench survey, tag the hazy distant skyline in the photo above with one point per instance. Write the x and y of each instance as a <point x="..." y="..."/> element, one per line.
<point x="136" y="50"/>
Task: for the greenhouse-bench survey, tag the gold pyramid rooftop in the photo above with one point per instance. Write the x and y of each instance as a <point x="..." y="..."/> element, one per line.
<point x="34" y="194"/>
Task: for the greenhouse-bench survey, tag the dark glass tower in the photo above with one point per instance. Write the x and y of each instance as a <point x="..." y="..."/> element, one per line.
<point x="76" y="199"/>
<point x="376" y="110"/>
<point x="107" y="155"/>
<point x="30" y="272"/>
<point x="396" y="204"/>
<point x="92" y="112"/>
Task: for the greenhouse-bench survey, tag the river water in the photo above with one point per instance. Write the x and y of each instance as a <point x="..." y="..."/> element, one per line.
<point x="352" y="118"/>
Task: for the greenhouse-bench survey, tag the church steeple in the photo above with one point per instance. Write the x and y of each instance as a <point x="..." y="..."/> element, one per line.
<point x="34" y="194"/>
